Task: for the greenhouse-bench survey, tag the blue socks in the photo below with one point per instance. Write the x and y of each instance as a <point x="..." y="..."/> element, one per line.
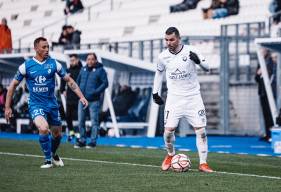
<point x="55" y="142"/>
<point x="45" y="143"/>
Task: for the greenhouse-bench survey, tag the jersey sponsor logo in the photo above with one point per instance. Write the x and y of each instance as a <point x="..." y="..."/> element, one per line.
<point x="40" y="80"/>
<point x="48" y="66"/>
<point x="159" y="67"/>
<point x="40" y="89"/>
<point x="178" y="75"/>
<point x="201" y="113"/>
<point x="49" y="71"/>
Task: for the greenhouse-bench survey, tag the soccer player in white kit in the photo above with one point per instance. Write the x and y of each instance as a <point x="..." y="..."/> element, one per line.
<point x="184" y="99"/>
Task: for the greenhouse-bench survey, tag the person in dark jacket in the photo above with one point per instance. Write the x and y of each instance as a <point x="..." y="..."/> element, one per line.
<point x="183" y="6"/>
<point x="221" y="8"/>
<point x="3" y="93"/>
<point x="92" y="81"/>
<point x="71" y="98"/>
<point x="271" y="69"/>
<point x="73" y="6"/>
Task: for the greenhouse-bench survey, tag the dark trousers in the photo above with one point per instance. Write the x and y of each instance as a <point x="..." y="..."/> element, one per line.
<point x="268" y="121"/>
<point x="71" y="114"/>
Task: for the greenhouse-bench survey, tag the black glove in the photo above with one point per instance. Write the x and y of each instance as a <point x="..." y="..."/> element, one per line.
<point x="194" y="57"/>
<point x="157" y="99"/>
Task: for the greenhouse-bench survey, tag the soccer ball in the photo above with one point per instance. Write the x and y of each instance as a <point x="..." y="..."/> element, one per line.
<point x="180" y="163"/>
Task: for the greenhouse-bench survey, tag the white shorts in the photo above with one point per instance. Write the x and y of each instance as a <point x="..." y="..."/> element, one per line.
<point x="190" y="107"/>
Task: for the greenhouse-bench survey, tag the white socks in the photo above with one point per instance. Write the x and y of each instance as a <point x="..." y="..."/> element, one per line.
<point x="169" y="139"/>
<point x="202" y="145"/>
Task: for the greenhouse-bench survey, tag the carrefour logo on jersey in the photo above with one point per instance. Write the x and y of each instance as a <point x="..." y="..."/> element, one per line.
<point x="40" y="80"/>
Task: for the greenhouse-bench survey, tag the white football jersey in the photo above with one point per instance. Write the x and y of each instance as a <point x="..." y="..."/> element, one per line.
<point x="181" y="73"/>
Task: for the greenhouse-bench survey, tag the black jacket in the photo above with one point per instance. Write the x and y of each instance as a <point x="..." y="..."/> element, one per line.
<point x="271" y="69"/>
<point x="71" y="97"/>
<point x="232" y="7"/>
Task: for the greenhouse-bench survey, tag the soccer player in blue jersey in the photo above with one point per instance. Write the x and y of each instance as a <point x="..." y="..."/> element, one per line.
<point x="39" y="73"/>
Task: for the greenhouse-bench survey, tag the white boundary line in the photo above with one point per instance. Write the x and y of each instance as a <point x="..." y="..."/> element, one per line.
<point x="134" y="164"/>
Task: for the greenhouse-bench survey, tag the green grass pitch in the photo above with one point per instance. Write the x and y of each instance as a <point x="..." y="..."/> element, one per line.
<point x="110" y="169"/>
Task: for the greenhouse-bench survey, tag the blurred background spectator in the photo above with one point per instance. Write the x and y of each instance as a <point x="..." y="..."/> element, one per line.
<point x="271" y="64"/>
<point x="21" y="107"/>
<point x="2" y="100"/>
<point x="5" y="37"/>
<point x="92" y="80"/>
<point x="129" y="105"/>
<point x="64" y="38"/>
<point x="183" y="6"/>
<point x="74" y="36"/>
<point x="274" y="8"/>
<point x="221" y="8"/>
<point x="70" y="38"/>
<point x="73" y="6"/>
<point x="71" y="97"/>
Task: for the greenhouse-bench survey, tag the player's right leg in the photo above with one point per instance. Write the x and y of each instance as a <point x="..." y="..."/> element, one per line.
<point x="202" y="146"/>
<point x="44" y="139"/>
<point x="55" y="142"/>
<point x="55" y="127"/>
<point x="171" y="120"/>
<point x="169" y="139"/>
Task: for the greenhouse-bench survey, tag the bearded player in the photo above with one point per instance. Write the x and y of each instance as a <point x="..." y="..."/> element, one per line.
<point x="178" y="62"/>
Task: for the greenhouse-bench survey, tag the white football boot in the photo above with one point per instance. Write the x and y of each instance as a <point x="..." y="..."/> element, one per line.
<point x="47" y="165"/>
<point x="57" y="161"/>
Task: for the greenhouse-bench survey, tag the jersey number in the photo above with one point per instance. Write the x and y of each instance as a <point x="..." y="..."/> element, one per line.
<point x="38" y="112"/>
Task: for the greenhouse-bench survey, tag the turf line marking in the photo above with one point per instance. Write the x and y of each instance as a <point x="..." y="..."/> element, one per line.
<point x="134" y="164"/>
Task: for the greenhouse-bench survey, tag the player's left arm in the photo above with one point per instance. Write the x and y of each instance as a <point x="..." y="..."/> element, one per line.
<point x="198" y="59"/>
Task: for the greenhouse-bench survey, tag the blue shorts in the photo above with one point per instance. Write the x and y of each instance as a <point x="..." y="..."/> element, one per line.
<point x="52" y="115"/>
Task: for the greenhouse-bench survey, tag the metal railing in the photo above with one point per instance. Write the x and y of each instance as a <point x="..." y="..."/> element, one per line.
<point x="240" y="41"/>
<point x="237" y="41"/>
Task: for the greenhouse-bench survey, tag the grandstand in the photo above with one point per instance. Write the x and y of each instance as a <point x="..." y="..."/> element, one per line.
<point x="134" y="28"/>
<point x="127" y="36"/>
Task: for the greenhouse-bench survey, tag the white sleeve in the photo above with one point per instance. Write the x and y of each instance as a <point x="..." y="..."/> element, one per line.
<point x="203" y="64"/>
<point x="158" y="75"/>
<point x="60" y="70"/>
<point x="59" y="66"/>
<point x="160" y="65"/>
<point x="22" y="69"/>
<point x="157" y="81"/>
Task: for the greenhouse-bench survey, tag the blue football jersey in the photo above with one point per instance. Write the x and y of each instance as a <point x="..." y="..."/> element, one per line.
<point x="40" y="80"/>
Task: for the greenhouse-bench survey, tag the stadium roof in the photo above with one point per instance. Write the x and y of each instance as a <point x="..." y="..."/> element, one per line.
<point x="270" y="43"/>
<point x="10" y="62"/>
